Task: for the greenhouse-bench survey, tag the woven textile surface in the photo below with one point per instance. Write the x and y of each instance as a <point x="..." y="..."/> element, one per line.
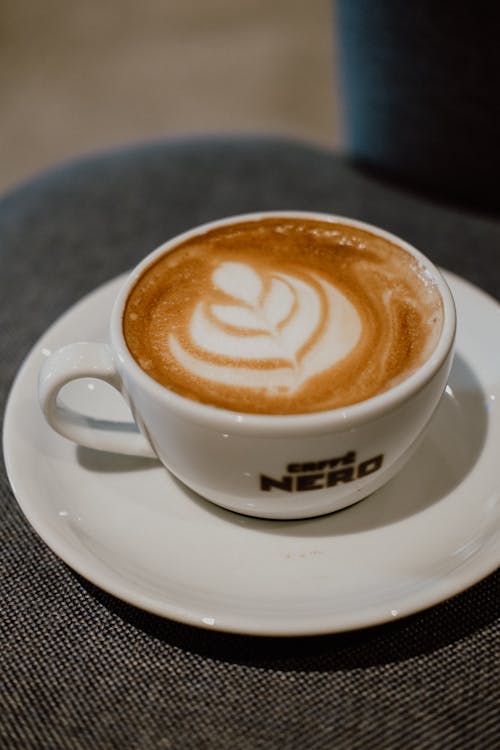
<point x="80" y="669"/>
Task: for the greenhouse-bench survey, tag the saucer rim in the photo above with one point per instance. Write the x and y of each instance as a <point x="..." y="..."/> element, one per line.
<point x="452" y="584"/>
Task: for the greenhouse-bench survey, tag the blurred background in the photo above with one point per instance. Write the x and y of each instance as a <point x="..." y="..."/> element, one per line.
<point x="78" y="77"/>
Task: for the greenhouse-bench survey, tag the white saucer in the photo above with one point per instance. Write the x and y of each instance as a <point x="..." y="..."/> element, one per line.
<point x="132" y="529"/>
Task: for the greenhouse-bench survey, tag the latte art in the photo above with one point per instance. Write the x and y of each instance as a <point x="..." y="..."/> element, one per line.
<point x="274" y="333"/>
<point x="281" y="316"/>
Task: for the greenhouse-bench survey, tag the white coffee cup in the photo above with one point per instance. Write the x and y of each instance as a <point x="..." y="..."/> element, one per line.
<point x="269" y="466"/>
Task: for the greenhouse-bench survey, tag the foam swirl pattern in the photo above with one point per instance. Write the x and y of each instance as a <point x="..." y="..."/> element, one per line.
<point x="283" y="316"/>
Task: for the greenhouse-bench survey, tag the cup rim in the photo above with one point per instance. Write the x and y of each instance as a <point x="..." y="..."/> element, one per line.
<point x="329" y="420"/>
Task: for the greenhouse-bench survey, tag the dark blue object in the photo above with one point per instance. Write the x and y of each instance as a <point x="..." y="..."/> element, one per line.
<point x="421" y="86"/>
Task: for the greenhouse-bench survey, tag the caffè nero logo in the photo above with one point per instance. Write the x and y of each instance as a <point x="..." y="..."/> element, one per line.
<point x="317" y="475"/>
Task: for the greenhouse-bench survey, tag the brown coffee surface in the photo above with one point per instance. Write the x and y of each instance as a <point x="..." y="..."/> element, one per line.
<point x="283" y="316"/>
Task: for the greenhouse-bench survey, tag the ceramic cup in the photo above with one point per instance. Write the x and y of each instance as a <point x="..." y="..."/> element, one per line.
<point x="268" y="466"/>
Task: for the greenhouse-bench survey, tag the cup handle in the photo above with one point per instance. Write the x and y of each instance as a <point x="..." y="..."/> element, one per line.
<point x="87" y="360"/>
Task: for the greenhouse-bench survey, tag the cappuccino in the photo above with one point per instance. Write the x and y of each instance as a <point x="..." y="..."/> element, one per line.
<point x="283" y="316"/>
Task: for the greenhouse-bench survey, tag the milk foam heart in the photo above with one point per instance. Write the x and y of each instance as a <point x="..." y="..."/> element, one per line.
<point x="283" y="315"/>
<point x="296" y="327"/>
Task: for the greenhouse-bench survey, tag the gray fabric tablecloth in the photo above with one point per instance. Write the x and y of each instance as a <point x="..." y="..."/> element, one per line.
<point x="81" y="669"/>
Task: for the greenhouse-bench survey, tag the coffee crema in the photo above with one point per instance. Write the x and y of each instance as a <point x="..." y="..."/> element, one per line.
<point x="283" y="316"/>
